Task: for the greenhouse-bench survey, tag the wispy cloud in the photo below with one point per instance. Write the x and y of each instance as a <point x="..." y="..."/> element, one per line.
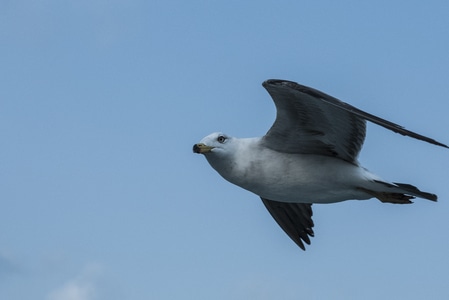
<point x="82" y="287"/>
<point x="7" y="266"/>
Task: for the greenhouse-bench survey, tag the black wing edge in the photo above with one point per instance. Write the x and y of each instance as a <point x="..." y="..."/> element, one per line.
<point x="294" y="218"/>
<point x="345" y="106"/>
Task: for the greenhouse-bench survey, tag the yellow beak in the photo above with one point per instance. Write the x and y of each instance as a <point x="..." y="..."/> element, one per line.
<point x="201" y="148"/>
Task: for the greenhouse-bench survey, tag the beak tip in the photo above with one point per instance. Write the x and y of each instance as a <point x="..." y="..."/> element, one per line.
<point x="201" y="148"/>
<point x="196" y="149"/>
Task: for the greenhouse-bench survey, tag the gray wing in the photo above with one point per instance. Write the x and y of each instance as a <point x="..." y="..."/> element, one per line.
<point x="294" y="218"/>
<point x="311" y="122"/>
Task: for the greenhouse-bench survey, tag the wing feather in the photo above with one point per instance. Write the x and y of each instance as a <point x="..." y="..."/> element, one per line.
<point x="294" y="218"/>
<point x="311" y="122"/>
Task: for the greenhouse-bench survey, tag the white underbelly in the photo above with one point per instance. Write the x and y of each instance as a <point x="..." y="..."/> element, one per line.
<point x="304" y="179"/>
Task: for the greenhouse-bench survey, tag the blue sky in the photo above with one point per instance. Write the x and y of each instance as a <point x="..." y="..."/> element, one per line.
<point x="101" y="102"/>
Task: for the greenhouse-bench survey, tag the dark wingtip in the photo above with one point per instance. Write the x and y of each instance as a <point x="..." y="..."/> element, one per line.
<point x="300" y="244"/>
<point x="443" y="145"/>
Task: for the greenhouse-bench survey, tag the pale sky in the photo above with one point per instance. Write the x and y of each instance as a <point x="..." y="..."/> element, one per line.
<point x="103" y="199"/>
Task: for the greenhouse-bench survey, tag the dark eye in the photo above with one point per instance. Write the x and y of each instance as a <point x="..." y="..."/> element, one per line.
<point x="221" y="139"/>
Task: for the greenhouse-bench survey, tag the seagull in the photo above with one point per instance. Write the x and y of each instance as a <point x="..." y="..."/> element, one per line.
<point x="308" y="156"/>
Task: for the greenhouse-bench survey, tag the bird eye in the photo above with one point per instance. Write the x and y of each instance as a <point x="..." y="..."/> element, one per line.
<point x="221" y="139"/>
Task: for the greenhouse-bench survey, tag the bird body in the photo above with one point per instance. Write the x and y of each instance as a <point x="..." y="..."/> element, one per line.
<point x="295" y="178"/>
<point x="309" y="155"/>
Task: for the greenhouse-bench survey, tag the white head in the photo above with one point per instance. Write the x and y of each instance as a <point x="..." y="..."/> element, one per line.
<point x="216" y="143"/>
<point x="220" y="151"/>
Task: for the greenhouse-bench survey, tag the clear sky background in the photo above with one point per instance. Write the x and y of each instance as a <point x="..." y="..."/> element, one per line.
<point x="101" y="101"/>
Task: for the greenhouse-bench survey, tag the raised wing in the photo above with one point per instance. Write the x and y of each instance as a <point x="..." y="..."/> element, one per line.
<point x="294" y="218"/>
<point x="311" y="122"/>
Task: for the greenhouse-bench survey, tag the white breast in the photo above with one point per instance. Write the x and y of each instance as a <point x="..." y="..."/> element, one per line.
<point x="294" y="177"/>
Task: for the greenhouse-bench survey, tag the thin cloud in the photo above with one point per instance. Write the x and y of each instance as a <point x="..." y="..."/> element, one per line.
<point x="7" y="266"/>
<point x="82" y="287"/>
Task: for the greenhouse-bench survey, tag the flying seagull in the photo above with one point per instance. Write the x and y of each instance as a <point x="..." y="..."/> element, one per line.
<point x="308" y="156"/>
